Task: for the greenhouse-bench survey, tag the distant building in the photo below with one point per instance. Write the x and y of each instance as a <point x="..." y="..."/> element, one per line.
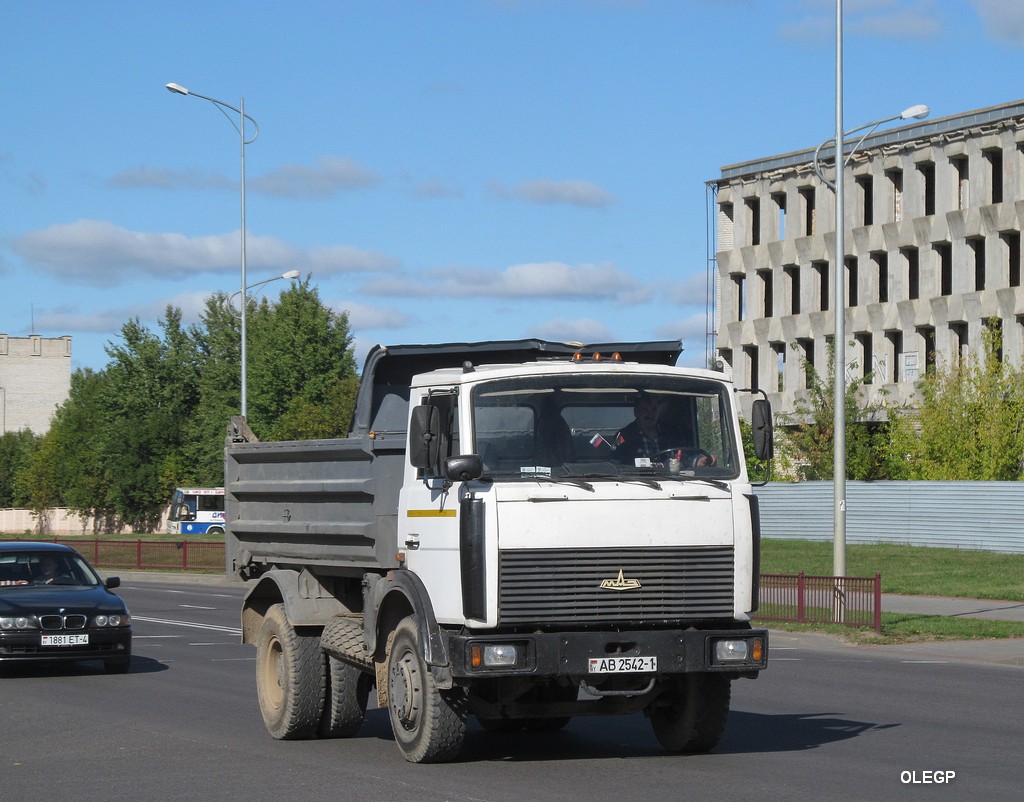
<point x="35" y="378"/>
<point x="933" y="256"/>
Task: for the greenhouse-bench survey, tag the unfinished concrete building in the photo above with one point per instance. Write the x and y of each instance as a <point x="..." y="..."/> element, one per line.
<point x="35" y="379"/>
<point x="932" y="256"/>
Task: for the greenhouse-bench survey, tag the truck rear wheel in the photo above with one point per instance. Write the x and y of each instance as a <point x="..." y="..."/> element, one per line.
<point x="289" y="677"/>
<point x="429" y="723"/>
<point x="344" y="700"/>
<point x="691" y="718"/>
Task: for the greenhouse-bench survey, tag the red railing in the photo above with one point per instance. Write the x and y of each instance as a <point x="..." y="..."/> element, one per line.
<point x="849" y="600"/>
<point x="141" y="555"/>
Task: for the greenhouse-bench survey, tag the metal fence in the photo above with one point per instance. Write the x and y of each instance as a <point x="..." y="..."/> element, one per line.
<point x="987" y="516"/>
<point x="181" y="555"/>
<point x="848" y="600"/>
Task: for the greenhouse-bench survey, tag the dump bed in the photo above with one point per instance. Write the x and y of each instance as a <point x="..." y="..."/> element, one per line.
<point x="333" y="503"/>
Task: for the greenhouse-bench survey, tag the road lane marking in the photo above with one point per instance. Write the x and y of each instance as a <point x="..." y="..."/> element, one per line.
<point x="196" y="607"/>
<point x="191" y="624"/>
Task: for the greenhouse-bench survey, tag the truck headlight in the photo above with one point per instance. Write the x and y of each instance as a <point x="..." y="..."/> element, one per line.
<point x="730" y="651"/>
<point x="493" y="655"/>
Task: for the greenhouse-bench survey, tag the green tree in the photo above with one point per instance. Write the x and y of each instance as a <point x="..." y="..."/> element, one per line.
<point x="149" y="393"/>
<point x="810" y="430"/>
<point x="969" y="424"/>
<point x="16" y="450"/>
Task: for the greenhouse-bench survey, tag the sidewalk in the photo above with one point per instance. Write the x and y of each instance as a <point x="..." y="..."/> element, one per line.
<point x="956" y="608"/>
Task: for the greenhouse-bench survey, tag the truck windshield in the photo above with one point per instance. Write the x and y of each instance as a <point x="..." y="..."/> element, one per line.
<point x="595" y="426"/>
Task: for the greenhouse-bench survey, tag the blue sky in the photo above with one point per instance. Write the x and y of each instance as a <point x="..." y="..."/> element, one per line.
<point x="446" y="171"/>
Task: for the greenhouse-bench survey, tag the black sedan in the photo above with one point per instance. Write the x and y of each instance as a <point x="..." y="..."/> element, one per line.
<point x="54" y="606"/>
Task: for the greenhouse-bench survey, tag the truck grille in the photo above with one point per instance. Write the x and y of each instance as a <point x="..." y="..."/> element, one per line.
<point x="564" y="585"/>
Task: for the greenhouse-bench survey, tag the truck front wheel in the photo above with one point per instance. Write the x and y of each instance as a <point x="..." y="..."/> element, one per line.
<point x="289" y="677"/>
<point x="691" y="716"/>
<point x="429" y="723"/>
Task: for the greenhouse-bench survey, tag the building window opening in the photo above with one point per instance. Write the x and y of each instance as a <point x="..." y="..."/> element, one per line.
<point x="944" y="250"/>
<point x="767" y="292"/>
<point x="780" y="206"/>
<point x="807" y="202"/>
<point x="896" y="180"/>
<point x="881" y="260"/>
<point x="750" y="352"/>
<point x="959" y="342"/>
<point x="780" y="365"/>
<point x="739" y="287"/>
<point x="792" y="273"/>
<point x="927" y="170"/>
<point x="977" y="246"/>
<point x="893" y="354"/>
<point x="913" y="259"/>
<point x="865" y="347"/>
<point x="851" y="281"/>
<point x="754" y="212"/>
<point x="867" y="187"/>
<point x="994" y="338"/>
<point x="994" y="158"/>
<point x="806" y="347"/>
<point x="1011" y="243"/>
<point x="963" y="183"/>
<point x="821" y="269"/>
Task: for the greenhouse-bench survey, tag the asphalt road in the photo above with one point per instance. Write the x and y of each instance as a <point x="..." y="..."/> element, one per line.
<point x="825" y="721"/>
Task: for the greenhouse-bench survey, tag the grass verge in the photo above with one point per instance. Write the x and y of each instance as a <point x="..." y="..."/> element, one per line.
<point x="911" y="570"/>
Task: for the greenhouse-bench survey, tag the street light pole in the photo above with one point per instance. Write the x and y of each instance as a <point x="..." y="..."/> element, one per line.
<point x="839" y="364"/>
<point x="240" y="127"/>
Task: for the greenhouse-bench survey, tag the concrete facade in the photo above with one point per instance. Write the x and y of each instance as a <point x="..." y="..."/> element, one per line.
<point x="933" y="256"/>
<point x="35" y="378"/>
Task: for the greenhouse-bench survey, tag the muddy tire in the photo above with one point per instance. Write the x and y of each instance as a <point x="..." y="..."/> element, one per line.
<point x="429" y="723"/>
<point x="344" y="700"/>
<point x="691" y="718"/>
<point x="290" y="677"/>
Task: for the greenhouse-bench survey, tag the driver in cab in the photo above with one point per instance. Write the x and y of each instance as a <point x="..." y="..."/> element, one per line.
<point x="645" y="438"/>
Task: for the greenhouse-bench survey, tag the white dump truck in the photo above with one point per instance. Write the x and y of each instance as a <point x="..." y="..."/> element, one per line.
<point x="492" y="540"/>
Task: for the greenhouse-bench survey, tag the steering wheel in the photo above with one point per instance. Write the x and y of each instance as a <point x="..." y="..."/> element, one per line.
<point x="689" y="457"/>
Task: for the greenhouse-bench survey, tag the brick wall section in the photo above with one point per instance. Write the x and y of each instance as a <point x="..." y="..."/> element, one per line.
<point x="35" y="378"/>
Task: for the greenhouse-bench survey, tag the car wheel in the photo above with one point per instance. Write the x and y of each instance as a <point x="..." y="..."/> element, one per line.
<point x="429" y="723"/>
<point x="691" y="716"/>
<point x="289" y="677"/>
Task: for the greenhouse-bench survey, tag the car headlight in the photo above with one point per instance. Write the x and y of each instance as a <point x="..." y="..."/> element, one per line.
<point x="18" y="622"/>
<point x="112" y="620"/>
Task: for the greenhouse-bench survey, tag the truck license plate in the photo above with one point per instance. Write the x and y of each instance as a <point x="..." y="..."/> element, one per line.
<point x="65" y="640"/>
<point x="622" y="665"/>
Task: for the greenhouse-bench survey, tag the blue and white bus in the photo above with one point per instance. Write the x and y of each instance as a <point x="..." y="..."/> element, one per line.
<point x="196" y="511"/>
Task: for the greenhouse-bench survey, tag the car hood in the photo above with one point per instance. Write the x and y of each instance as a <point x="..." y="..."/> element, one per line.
<point x="73" y="599"/>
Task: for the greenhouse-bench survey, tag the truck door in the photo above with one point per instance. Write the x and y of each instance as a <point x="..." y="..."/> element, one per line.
<point x="429" y="505"/>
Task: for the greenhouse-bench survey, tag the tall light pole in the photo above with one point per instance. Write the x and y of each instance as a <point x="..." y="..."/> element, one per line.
<point x="839" y="386"/>
<point x="240" y="127"/>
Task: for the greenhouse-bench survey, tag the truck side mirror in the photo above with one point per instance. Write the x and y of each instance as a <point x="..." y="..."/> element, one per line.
<point x="464" y="468"/>
<point x="761" y="423"/>
<point x="424" y="436"/>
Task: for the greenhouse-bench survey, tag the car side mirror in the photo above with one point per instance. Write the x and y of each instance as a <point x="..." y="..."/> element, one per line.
<point x="761" y="423"/>
<point x="424" y="436"/>
<point x="112" y="582"/>
<point x="464" y="468"/>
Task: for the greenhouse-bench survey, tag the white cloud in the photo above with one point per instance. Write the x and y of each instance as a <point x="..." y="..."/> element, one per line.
<point x="434" y="188"/>
<point x="99" y="253"/>
<point x="364" y="316"/>
<point x="583" y="330"/>
<point x="890" y="19"/>
<point x="693" y="327"/>
<point x="553" y="280"/>
<point x="1003" y="19"/>
<point x="331" y="175"/>
<point x="572" y="192"/>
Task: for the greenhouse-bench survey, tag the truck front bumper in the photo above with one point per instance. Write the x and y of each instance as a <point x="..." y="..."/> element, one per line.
<point x="739" y="653"/>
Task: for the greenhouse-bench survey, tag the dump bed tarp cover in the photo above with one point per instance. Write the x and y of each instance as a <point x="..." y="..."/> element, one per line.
<point x="382" y="404"/>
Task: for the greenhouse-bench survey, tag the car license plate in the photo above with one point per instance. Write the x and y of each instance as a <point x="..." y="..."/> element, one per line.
<point x="622" y="665"/>
<point x="65" y="640"/>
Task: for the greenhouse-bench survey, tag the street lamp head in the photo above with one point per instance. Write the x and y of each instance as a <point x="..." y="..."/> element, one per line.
<point x="292" y="274"/>
<point x="178" y="89"/>
<point x="918" y="112"/>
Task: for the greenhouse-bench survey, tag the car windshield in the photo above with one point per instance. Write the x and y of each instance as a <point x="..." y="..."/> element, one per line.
<point x="32" y="568"/>
<point x="610" y="426"/>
